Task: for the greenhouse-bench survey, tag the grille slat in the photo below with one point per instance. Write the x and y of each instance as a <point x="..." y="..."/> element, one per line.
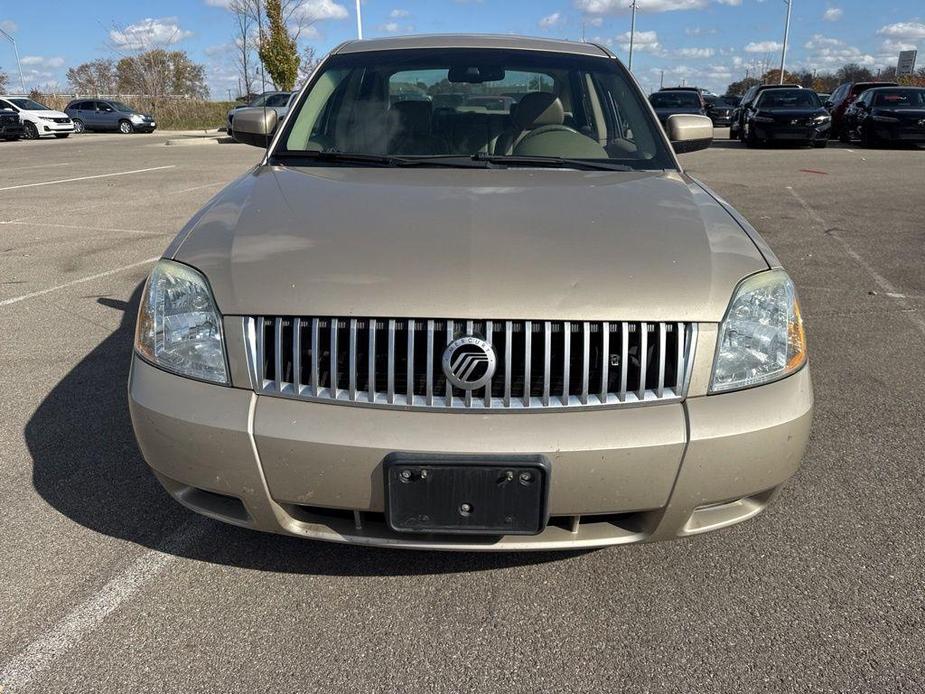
<point x="539" y="364"/>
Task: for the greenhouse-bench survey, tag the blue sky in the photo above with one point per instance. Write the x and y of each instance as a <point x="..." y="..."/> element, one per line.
<point x="704" y="42"/>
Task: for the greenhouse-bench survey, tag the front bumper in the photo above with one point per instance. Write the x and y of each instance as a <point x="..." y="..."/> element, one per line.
<point x="788" y="133"/>
<point x="51" y="128"/>
<point x="618" y="476"/>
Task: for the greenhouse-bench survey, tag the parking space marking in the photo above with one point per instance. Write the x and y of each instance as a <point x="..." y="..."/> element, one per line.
<point x="87" y="178"/>
<point x="17" y="222"/>
<point x="70" y="631"/>
<point x="49" y="290"/>
<point x="888" y="289"/>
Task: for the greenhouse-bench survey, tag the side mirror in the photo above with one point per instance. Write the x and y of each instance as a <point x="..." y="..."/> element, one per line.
<point x="689" y="133"/>
<point x="255" y="125"/>
<point x="828" y="104"/>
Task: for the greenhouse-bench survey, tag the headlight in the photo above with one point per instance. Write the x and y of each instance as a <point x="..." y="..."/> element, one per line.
<point x="761" y="339"/>
<point x="179" y="328"/>
<point x="822" y="119"/>
<point x="48" y="118"/>
<point x="136" y="118"/>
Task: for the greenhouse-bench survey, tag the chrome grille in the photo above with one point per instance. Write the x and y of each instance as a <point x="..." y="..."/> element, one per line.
<point x="540" y="364"/>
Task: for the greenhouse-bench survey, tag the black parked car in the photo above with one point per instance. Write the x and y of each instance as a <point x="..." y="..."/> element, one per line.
<point x="10" y="125"/>
<point x="719" y="109"/>
<point x="736" y="131"/>
<point x="887" y="114"/>
<point x="671" y="102"/>
<point x="786" y="115"/>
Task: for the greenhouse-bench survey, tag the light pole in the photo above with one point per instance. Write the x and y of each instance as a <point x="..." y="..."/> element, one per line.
<point x="22" y="82"/>
<point x="632" y="36"/>
<point x="359" y="22"/>
<point x="783" y="52"/>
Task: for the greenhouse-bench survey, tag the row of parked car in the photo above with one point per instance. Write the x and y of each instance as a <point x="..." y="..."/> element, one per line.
<point x="22" y="117"/>
<point x="872" y="113"/>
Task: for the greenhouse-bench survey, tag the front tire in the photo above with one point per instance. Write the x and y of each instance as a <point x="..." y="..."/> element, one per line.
<point x="32" y="133"/>
<point x="125" y="127"/>
<point x="868" y="139"/>
<point x="751" y="140"/>
<point x="820" y="144"/>
<point x="79" y="127"/>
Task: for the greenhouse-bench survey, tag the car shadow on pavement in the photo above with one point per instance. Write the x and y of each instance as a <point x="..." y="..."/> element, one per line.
<point x="87" y="466"/>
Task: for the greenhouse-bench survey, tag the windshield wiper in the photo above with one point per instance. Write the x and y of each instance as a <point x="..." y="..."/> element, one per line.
<point x="552" y="162"/>
<point x="334" y="156"/>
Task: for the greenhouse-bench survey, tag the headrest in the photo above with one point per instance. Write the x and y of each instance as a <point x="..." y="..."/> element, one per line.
<point x="413" y="116"/>
<point x="537" y="109"/>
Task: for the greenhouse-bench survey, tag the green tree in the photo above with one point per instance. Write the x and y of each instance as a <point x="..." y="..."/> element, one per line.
<point x="278" y="51"/>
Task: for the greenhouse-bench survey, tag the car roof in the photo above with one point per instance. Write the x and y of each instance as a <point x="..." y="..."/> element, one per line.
<point x="471" y="41"/>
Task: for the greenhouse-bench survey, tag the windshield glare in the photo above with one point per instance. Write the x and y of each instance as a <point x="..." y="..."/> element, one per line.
<point x="467" y="102"/>
<point x="29" y="105"/>
<point x="789" y="98"/>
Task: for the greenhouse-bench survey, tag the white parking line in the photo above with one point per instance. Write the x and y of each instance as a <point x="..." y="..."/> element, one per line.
<point x="83" y="227"/>
<point x="43" y="292"/>
<point x="885" y="285"/>
<point x="87" y="178"/>
<point x="39" y="655"/>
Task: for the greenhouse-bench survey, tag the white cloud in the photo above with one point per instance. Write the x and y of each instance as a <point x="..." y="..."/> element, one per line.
<point x="820" y="41"/>
<point x="892" y="48"/>
<point x="698" y="31"/>
<point x="42" y="61"/>
<point x="9" y="26"/>
<point x="763" y="47"/>
<point x="602" y="7"/>
<point x="732" y="3"/>
<point x="550" y="20"/>
<point x="643" y="42"/>
<point x="596" y="21"/>
<point x="398" y="14"/>
<point x="218" y="3"/>
<point x="903" y="30"/>
<point x="319" y="10"/>
<point x="833" y="14"/>
<point x="389" y="27"/>
<point x="695" y="52"/>
<point x="148" y="33"/>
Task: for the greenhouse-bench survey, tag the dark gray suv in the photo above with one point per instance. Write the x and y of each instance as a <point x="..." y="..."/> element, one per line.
<point x="106" y="114"/>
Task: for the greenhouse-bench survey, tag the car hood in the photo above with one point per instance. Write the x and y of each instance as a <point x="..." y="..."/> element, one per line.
<point x="510" y="243"/>
<point x="44" y="114"/>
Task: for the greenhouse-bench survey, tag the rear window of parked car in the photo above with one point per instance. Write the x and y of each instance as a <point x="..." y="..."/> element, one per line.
<point x="901" y="98"/>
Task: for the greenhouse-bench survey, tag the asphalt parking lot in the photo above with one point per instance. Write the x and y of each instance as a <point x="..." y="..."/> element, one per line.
<point x="108" y="585"/>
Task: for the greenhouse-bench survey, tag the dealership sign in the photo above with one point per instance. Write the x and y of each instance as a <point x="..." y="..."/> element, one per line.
<point x="906" y="65"/>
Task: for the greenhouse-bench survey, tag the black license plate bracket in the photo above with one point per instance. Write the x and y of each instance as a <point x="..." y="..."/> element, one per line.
<point x="483" y="495"/>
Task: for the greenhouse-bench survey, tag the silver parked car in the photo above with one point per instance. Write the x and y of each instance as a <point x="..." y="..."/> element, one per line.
<point x="107" y="114"/>
<point x="471" y="329"/>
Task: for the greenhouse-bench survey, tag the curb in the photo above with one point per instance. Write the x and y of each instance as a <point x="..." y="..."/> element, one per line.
<point x="220" y="139"/>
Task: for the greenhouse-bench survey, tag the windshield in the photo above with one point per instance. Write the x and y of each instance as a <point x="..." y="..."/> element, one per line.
<point x="675" y="100"/>
<point x="29" y="105"/>
<point x="789" y="98"/>
<point x="468" y="103"/>
<point x="900" y="98"/>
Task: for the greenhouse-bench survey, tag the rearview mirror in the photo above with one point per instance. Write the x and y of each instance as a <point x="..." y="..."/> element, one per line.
<point x="689" y="133"/>
<point x="254" y="126"/>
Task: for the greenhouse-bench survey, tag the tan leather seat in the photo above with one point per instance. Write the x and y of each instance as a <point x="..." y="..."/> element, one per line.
<point x="534" y="110"/>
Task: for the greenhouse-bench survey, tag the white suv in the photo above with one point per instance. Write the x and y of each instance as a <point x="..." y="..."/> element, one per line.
<point x="38" y="120"/>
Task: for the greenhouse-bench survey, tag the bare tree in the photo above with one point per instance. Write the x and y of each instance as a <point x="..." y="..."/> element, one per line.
<point x="3" y="80"/>
<point x="245" y="42"/>
<point x="94" y="77"/>
<point x="309" y="62"/>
